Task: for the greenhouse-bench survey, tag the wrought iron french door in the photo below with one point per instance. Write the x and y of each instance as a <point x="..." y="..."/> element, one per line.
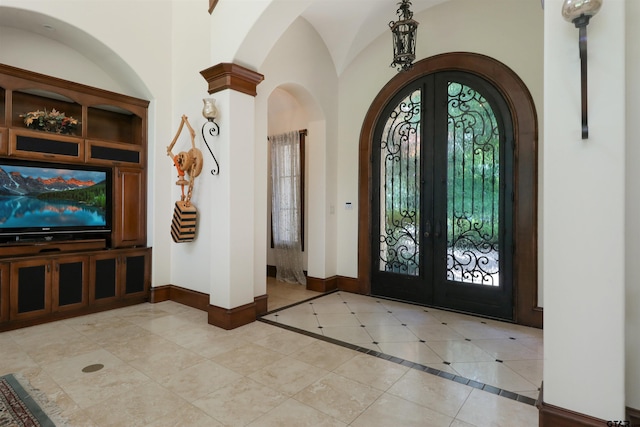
<point x="442" y="196"/>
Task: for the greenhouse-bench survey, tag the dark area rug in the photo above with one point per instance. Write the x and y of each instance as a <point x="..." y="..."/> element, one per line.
<point x="23" y="406"/>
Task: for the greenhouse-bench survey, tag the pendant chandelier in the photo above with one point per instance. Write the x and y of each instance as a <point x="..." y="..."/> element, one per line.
<point x="404" y="37"/>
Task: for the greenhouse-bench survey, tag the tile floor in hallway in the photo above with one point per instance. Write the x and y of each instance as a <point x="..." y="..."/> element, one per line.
<point x="165" y="366"/>
<point x="490" y="352"/>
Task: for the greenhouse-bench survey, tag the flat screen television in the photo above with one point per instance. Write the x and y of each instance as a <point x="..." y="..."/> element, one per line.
<point x="47" y="201"/>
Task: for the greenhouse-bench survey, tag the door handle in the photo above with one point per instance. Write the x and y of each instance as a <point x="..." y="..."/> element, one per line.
<point x="427" y="228"/>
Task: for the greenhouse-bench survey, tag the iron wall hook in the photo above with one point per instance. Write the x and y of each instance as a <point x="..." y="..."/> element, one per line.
<point x="212" y="129"/>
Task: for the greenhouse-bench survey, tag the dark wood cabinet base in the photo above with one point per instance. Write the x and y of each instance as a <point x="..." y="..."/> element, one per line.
<point x="39" y="248"/>
<point x="52" y="286"/>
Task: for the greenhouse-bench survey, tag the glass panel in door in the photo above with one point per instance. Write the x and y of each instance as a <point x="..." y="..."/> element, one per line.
<point x="399" y="249"/>
<point x="442" y="223"/>
<point x="475" y="165"/>
<point x="473" y="188"/>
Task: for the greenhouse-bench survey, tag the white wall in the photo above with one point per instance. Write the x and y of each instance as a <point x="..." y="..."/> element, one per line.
<point x="189" y="49"/>
<point x="584" y="203"/>
<point x="75" y="67"/>
<point x="632" y="225"/>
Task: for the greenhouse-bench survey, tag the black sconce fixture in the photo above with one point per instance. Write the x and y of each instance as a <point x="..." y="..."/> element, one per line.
<point x="209" y="112"/>
<point x="404" y="37"/>
<point x="579" y="12"/>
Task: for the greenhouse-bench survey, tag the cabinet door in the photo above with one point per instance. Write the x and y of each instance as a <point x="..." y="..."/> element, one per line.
<point x="137" y="272"/>
<point x="70" y="282"/>
<point x="130" y="222"/>
<point x="30" y="289"/>
<point x="108" y="153"/>
<point x="3" y="141"/>
<point x="103" y="286"/>
<point x="4" y="292"/>
<point x="45" y="146"/>
<point x="117" y="274"/>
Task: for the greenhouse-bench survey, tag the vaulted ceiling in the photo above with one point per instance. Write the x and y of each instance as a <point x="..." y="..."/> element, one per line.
<point x="346" y="26"/>
<point x="349" y="26"/>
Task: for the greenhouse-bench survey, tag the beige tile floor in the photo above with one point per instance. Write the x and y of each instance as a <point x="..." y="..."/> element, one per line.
<point x="494" y="353"/>
<point x="165" y="366"/>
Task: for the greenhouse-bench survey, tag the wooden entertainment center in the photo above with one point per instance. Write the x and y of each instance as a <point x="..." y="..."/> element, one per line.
<point x="50" y="279"/>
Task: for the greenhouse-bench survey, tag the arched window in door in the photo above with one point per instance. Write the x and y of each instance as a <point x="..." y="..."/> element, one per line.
<point x="516" y="102"/>
<point x="442" y="204"/>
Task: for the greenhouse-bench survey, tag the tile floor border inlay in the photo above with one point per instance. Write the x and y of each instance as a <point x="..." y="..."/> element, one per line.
<point x="412" y="365"/>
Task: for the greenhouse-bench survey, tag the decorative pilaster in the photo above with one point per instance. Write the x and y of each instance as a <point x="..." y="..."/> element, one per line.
<point x="233" y="284"/>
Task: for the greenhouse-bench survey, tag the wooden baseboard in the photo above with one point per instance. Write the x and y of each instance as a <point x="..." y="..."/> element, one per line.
<point x="184" y="296"/>
<point x="160" y="293"/>
<point x="221" y="317"/>
<point x="232" y="318"/>
<point x="329" y="284"/>
<point x="555" y="416"/>
<point x="349" y="284"/>
<point x="261" y="304"/>
<point x="322" y="285"/>
<point x="633" y="416"/>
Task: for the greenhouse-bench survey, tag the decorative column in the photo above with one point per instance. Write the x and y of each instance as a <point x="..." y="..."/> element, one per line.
<point x="231" y="299"/>
<point x="583" y="223"/>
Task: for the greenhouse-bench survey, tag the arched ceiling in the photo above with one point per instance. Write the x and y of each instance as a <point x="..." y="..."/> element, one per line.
<point x="349" y="26"/>
<point x="69" y="35"/>
<point x="346" y="26"/>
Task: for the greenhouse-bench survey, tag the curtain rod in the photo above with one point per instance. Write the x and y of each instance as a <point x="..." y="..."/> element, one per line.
<point x="301" y="132"/>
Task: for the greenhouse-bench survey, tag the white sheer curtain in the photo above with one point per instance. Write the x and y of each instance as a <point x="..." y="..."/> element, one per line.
<point x="286" y="206"/>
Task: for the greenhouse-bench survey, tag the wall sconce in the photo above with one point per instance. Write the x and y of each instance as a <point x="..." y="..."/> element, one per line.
<point x="209" y="111"/>
<point x="404" y="37"/>
<point x="579" y="12"/>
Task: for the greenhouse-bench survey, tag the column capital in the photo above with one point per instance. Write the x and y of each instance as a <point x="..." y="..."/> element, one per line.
<point x="231" y="76"/>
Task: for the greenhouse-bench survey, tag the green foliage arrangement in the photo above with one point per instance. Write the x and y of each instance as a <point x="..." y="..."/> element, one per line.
<point x="50" y="121"/>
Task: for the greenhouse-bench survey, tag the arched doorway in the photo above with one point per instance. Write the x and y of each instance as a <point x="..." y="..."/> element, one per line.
<point x="520" y="111"/>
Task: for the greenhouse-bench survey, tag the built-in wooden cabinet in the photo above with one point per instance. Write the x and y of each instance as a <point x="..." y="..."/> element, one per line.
<point x="44" y="285"/>
<point x="3" y="141"/>
<point x="104" y="278"/>
<point x="37" y="286"/>
<point x="136" y="272"/>
<point x="70" y="283"/>
<point x="4" y="292"/>
<point x="50" y="280"/>
<point x="109" y="153"/>
<point x="33" y="145"/>
<point x="120" y="274"/>
<point x="30" y="288"/>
